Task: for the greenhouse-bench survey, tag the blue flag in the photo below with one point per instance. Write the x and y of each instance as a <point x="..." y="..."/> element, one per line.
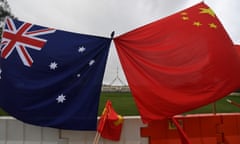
<point x="50" y="77"/>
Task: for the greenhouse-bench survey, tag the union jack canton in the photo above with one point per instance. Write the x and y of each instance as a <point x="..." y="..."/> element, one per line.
<point x="21" y="38"/>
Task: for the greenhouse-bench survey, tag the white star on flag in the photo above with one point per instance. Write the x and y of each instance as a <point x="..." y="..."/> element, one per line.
<point x="81" y="49"/>
<point x="61" y="98"/>
<point x="78" y="75"/>
<point x="91" y="62"/>
<point x="0" y="73"/>
<point x="53" y="65"/>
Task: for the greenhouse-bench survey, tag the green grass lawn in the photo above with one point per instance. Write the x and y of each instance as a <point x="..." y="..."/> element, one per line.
<point x="222" y="106"/>
<point x="124" y="104"/>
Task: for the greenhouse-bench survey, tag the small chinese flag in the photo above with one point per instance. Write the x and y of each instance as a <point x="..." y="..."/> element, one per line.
<point x="110" y="123"/>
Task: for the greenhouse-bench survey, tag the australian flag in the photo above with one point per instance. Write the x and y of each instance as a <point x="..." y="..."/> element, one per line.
<point x="51" y="77"/>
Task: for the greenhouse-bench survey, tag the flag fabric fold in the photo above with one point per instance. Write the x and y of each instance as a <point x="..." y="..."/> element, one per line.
<point x="110" y="123"/>
<point x="51" y="77"/>
<point x="179" y="63"/>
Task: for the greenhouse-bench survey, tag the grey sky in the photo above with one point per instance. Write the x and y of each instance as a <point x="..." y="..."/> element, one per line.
<point x="101" y="17"/>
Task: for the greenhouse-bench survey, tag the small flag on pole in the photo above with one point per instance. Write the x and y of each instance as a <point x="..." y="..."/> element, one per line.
<point x="110" y="123"/>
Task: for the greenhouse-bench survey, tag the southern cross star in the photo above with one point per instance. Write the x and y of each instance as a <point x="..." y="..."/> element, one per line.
<point x="53" y="65"/>
<point x="61" y="98"/>
<point x="91" y="62"/>
<point x="81" y="49"/>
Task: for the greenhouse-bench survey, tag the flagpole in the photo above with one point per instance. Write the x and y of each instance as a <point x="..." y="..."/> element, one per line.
<point x="112" y="34"/>
<point x="104" y="115"/>
<point x="214" y="108"/>
<point x="233" y="103"/>
<point x="96" y="138"/>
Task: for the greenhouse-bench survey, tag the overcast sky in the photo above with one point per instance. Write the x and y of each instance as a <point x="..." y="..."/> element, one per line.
<point x="101" y="17"/>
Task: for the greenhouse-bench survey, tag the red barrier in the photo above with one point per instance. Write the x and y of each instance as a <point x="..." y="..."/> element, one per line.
<point x="200" y="128"/>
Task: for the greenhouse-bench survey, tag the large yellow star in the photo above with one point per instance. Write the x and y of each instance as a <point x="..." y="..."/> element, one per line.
<point x="118" y="121"/>
<point x="207" y="11"/>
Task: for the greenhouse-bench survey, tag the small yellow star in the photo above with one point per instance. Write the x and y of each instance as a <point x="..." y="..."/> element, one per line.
<point x="184" y="13"/>
<point x="207" y="11"/>
<point x="212" y="25"/>
<point x="185" y="18"/>
<point x="197" y="23"/>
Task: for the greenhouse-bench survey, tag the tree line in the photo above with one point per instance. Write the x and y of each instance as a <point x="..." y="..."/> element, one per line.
<point x="4" y="11"/>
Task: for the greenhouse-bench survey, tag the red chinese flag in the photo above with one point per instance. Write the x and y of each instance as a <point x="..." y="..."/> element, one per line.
<point x="179" y="63"/>
<point x="110" y="123"/>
